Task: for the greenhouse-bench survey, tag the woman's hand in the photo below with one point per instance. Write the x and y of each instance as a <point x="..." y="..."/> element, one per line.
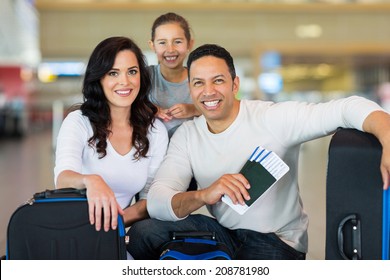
<point x="102" y="204"/>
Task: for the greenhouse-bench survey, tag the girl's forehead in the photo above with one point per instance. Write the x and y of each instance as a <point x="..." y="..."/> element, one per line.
<point x="169" y="27"/>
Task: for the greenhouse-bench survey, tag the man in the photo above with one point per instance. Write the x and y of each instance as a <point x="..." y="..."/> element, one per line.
<point x="214" y="147"/>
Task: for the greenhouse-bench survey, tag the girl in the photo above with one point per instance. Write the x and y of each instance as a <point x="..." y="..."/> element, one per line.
<point x="171" y="41"/>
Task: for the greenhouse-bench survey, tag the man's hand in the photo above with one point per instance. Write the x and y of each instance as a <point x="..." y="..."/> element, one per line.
<point x="233" y="185"/>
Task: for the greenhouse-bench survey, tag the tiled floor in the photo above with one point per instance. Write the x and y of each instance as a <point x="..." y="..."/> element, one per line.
<point x="26" y="167"/>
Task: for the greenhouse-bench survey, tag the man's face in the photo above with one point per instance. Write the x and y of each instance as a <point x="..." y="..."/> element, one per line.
<point x="213" y="92"/>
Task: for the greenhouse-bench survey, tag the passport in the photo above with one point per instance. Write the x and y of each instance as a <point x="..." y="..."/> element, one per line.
<point x="263" y="169"/>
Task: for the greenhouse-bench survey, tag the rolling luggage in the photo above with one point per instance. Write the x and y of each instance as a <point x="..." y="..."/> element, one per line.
<point x="54" y="225"/>
<point x="357" y="208"/>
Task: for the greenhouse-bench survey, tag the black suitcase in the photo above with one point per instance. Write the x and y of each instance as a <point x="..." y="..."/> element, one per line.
<point x="356" y="222"/>
<point x="54" y="225"/>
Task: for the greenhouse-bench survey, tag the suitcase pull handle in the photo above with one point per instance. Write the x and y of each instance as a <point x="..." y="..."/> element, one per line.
<point x="65" y="192"/>
<point x="356" y="237"/>
<point x="192" y="234"/>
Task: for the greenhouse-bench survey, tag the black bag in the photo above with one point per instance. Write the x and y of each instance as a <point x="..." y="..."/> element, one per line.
<point x="54" y="225"/>
<point x="357" y="223"/>
<point x="194" y="245"/>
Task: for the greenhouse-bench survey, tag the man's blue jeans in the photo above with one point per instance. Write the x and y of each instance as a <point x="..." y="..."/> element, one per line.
<point x="147" y="237"/>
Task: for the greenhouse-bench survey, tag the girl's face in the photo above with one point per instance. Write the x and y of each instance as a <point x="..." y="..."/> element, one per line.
<point x="122" y="83"/>
<point x="170" y="45"/>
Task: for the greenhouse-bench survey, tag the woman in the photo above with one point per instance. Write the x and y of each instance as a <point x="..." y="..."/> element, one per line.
<point x="111" y="144"/>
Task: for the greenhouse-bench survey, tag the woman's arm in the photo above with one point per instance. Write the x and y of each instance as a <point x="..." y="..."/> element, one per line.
<point x="135" y="212"/>
<point x="102" y="204"/>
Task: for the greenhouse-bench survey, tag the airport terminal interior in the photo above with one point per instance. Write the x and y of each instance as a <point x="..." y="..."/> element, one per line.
<point x="305" y="50"/>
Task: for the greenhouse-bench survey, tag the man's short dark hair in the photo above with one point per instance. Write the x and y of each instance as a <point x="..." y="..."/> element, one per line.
<point x="212" y="50"/>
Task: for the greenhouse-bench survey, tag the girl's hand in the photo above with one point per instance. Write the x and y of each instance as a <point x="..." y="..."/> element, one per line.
<point x="164" y="114"/>
<point x="182" y="111"/>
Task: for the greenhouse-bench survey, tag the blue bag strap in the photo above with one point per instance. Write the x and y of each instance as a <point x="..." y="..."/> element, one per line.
<point x="386" y="225"/>
<point x="200" y="241"/>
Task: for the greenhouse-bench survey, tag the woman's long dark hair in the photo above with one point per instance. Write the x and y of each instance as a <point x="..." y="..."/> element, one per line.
<point x="95" y="104"/>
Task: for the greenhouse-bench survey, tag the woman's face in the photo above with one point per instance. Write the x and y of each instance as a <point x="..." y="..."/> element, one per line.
<point x="122" y="83"/>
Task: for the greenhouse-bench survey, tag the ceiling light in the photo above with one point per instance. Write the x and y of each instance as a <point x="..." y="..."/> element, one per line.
<point x="308" y="31"/>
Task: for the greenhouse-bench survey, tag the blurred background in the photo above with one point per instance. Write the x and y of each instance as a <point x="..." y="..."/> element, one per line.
<point x="283" y="49"/>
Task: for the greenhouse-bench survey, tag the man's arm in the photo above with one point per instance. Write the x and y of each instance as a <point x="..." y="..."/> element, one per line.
<point x="378" y="124"/>
<point x="185" y="203"/>
<point x="233" y="185"/>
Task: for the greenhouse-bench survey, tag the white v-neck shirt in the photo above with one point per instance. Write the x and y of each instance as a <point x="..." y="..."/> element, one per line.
<point x="125" y="176"/>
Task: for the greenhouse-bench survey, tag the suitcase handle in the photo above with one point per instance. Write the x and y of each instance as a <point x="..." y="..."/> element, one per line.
<point x="58" y="193"/>
<point x="192" y="234"/>
<point x="356" y="237"/>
